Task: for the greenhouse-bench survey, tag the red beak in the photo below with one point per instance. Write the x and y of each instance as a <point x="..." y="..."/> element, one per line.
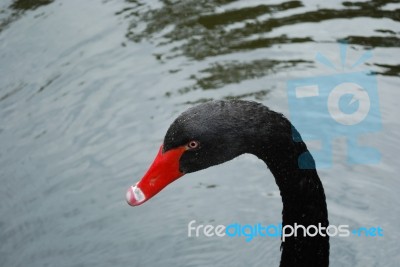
<point x="163" y="171"/>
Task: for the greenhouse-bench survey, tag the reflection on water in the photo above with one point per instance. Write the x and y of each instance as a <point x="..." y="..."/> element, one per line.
<point x="390" y="70"/>
<point x="29" y="4"/>
<point x="88" y="89"/>
<point x="220" y="75"/>
<point x="17" y="8"/>
<point x="203" y="29"/>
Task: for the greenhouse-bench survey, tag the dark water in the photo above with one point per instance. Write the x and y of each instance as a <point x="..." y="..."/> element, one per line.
<point x="88" y="89"/>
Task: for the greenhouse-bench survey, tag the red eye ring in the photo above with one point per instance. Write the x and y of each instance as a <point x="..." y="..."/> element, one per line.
<point x="193" y="144"/>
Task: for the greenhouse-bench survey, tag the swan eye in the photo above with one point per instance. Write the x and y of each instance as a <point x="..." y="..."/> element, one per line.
<point x="193" y="145"/>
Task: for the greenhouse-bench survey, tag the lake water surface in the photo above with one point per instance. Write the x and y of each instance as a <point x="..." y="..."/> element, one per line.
<point x="89" y="88"/>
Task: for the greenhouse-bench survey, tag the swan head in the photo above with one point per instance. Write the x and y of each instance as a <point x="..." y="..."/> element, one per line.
<point x="201" y="137"/>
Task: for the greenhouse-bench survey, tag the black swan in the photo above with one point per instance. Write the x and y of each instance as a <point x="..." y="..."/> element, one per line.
<point x="218" y="131"/>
